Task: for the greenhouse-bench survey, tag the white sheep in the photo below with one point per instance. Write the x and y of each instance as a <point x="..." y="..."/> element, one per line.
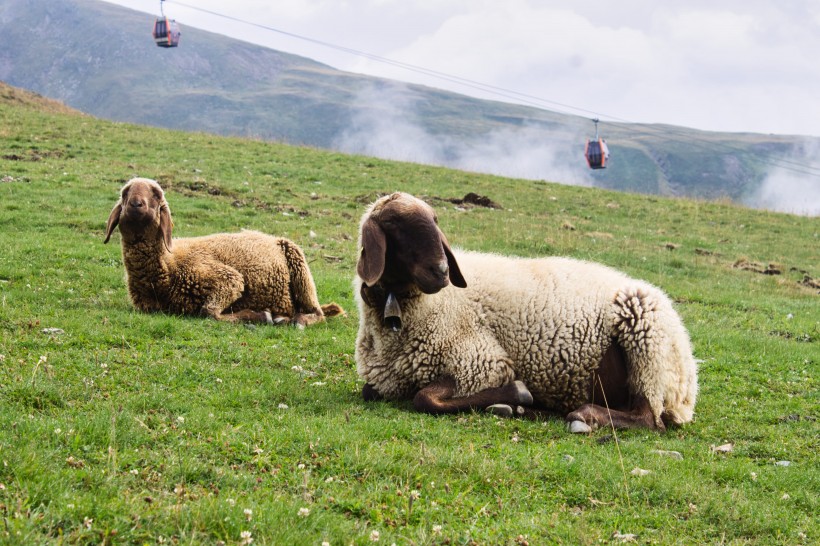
<point x="464" y="330"/>
<point x="247" y="276"/>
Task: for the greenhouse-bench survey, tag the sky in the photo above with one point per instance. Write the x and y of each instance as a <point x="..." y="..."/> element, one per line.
<point x="718" y="65"/>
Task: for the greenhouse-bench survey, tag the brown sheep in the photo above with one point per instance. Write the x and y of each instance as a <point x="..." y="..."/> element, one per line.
<point x="247" y="276"/>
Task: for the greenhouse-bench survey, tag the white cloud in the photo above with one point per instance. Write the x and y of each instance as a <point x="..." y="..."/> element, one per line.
<point x="384" y="127"/>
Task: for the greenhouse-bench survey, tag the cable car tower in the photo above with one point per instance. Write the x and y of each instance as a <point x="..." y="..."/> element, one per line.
<point x="596" y="151"/>
<point x="166" y="31"/>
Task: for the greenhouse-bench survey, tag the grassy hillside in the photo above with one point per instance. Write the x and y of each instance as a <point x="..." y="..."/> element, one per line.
<point x="118" y="427"/>
<point x="100" y="58"/>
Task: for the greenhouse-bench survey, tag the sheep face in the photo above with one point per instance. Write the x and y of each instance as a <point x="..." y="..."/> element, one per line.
<point x="141" y="213"/>
<point x="403" y="246"/>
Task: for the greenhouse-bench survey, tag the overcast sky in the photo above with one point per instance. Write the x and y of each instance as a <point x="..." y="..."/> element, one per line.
<point x="731" y="65"/>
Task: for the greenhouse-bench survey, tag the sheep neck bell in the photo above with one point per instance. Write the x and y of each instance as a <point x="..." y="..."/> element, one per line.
<point x="392" y="313"/>
<point x="386" y="299"/>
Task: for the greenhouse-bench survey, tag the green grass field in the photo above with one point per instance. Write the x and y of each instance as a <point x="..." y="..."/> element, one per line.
<point x="118" y="427"/>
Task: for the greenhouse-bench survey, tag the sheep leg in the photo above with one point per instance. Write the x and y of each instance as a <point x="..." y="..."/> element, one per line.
<point x="246" y="315"/>
<point x="437" y="397"/>
<point x="593" y="415"/>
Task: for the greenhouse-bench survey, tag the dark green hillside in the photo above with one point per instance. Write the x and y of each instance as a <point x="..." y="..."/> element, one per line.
<point x="119" y="427"/>
<point x="99" y="58"/>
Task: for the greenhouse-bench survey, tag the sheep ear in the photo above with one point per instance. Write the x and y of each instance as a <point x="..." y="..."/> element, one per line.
<point x="374" y="249"/>
<point x="456" y="278"/>
<point x="165" y="224"/>
<point x="113" y="220"/>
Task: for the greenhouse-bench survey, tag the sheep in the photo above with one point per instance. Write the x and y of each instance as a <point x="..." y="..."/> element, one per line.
<point x="458" y="331"/>
<point x="247" y="276"/>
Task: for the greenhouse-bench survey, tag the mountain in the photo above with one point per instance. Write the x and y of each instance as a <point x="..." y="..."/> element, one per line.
<point x="99" y="58"/>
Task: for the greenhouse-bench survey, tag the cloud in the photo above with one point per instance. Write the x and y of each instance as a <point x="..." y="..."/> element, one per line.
<point x="792" y="189"/>
<point x="383" y="126"/>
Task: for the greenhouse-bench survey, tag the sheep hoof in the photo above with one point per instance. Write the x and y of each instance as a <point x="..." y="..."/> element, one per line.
<point x="268" y="317"/>
<point x="502" y="410"/>
<point x="579" y="427"/>
<point x="522" y="394"/>
<point x="279" y="319"/>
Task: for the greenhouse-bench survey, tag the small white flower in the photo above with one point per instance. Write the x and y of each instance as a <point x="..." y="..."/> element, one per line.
<point x="43" y="359"/>
<point x="218" y="380"/>
<point x="180" y="419"/>
<point x="304" y="512"/>
<point x="754" y="476"/>
<point x="282" y="405"/>
<point x="436" y="529"/>
<point x="231" y="502"/>
<point x="2" y="358"/>
<point x="300" y="466"/>
<point x="87" y="522"/>
<point x="414" y="494"/>
<point x="134" y="471"/>
<point x="246" y="537"/>
<point x="374" y="536"/>
<point x="248" y="514"/>
<point x="57" y="431"/>
<point x="329" y="480"/>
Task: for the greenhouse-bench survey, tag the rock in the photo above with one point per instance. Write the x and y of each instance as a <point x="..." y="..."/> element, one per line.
<point x="502" y="410"/>
<point x="579" y="427"/>
<point x="665" y="453"/>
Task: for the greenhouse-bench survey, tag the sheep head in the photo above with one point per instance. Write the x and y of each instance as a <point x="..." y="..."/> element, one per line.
<point x="402" y="245"/>
<point x="141" y="213"/>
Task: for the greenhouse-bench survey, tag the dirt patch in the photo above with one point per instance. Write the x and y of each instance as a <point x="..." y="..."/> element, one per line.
<point x="810" y="282"/>
<point x="769" y="269"/>
<point x="474" y="200"/>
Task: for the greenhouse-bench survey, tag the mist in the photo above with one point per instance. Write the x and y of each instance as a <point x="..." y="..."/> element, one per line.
<point x="793" y="189"/>
<point x="383" y="127"/>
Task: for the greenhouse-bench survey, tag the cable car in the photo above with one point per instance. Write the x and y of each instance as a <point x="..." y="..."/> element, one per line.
<point x="166" y="31"/>
<point x="596" y="151"/>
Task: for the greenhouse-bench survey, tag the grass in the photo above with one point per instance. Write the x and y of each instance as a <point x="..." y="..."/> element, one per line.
<point x="127" y="428"/>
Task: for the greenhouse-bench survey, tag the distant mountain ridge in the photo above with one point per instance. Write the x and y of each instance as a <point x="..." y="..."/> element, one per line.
<point x="99" y="58"/>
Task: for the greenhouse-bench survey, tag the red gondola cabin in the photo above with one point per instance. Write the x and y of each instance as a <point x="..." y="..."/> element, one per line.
<point x="166" y="32"/>
<point x="596" y="153"/>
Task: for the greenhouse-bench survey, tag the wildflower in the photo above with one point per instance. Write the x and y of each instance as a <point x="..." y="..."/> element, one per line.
<point x="2" y="358"/>
<point x="57" y="431"/>
<point x="134" y="471"/>
<point x="436" y="529"/>
<point x="230" y="501"/>
<point x="180" y="419"/>
<point x="304" y="512"/>
<point x="87" y="522"/>
<point x="248" y="514"/>
<point x="43" y="359"/>
<point x="246" y="537"/>
<point x="283" y="406"/>
<point x="414" y="494"/>
<point x="374" y="536"/>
